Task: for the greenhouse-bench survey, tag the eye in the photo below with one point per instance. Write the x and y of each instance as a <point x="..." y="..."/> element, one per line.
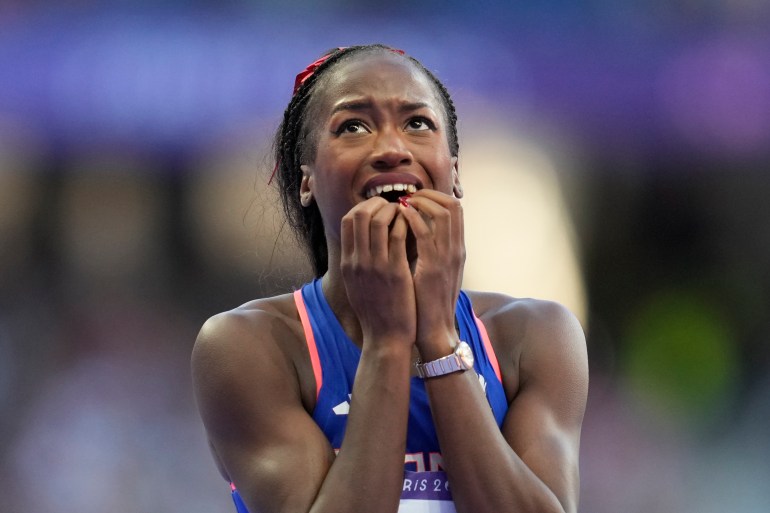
<point x="419" y="124"/>
<point x="353" y="126"/>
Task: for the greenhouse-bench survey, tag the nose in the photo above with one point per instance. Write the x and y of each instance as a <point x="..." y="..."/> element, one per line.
<point x="390" y="150"/>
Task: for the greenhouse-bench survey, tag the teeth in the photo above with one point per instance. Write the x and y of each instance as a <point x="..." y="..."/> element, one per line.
<point x="376" y="191"/>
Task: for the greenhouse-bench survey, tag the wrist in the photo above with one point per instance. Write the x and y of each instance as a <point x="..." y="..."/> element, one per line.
<point x="395" y="348"/>
<point x="460" y="360"/>
<point x="438" y="345"/>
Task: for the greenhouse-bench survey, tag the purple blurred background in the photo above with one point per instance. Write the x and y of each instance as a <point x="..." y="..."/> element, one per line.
<point x="133" y="205"/>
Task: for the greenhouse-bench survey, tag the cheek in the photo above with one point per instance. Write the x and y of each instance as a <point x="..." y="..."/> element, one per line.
<point x="336" y="167"/>
<point x="442" y="174"/>
<point x="331" y="194"/>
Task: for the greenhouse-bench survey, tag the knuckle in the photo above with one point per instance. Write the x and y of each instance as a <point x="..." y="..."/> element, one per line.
<point x="352" y="271"/>
<point x="398" y="236"/>
<point x="379" y="223"/>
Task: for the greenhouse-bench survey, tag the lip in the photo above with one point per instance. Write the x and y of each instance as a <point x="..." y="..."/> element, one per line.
<point x="390" y="179"/>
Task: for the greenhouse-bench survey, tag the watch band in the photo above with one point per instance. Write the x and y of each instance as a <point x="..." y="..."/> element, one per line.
<point x="461" y="359"/>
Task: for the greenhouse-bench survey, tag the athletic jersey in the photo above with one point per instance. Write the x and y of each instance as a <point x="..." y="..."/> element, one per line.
<point x="335" y="359"/>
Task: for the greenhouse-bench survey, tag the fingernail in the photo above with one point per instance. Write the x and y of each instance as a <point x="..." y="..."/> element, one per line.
<point x="404" y="200"/>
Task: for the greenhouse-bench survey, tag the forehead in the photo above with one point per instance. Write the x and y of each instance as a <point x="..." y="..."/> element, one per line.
<point x="384" y="76"/>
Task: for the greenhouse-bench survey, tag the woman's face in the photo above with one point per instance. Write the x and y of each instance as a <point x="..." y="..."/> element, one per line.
<point x="376" y="121"/>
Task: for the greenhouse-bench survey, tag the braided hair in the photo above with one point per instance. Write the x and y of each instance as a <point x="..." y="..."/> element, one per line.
<point x="292" y="146"/>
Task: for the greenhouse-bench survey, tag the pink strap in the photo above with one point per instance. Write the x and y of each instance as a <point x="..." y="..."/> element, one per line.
<point x="488" y="347"/>
<point x="310" y="339"/>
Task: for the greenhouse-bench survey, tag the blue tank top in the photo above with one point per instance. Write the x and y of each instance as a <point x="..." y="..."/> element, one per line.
<point x="335" y="359"/>
<point x="338" y="357"/>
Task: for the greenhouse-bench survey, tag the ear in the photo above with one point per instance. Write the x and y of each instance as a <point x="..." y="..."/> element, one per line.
<point x="457" y="188"/>
<point x="306" y="186"/>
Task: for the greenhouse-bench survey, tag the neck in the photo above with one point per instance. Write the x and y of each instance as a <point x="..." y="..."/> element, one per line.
<point x="337" y="297"/>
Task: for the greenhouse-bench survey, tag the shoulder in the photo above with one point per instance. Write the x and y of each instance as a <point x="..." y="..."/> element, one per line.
<point x="248" y="321"/>
<point x="532" y="335"/>
<point x="524" y="318"/>
<point x="246" y="347"/>
<point x="249" y="327"/>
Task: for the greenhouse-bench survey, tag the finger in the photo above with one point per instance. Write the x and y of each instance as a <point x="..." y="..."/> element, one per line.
<point x="419" y="224"/>
<point x="379" y="228"/>
<point x="417" y="221"/>
<point x="445" y="215"/>
<point x="437" y="218"/>
<point x="439" y="197"/>
<point x="355" y="228"/>
<point x="347" y="236"/>
<point x="397" y="240"/>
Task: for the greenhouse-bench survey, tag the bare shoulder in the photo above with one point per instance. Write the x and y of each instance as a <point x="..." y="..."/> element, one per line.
<point x="531" y="334"/>
<point x="520" y="320"/>
<point x="255" y="389"/>
<point x="236" y="349"/>
<point x="254" y="326"/>
<point x="251" y="322"/>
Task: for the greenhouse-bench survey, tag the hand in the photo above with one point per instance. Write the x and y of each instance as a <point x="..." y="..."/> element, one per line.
<point x="376" y="271"/>
<point x="436" y="220"/>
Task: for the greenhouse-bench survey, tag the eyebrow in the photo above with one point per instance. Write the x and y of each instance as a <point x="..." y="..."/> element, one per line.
<point x="359" y="105"/>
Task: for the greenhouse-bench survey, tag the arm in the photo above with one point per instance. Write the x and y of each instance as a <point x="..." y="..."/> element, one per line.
<point x="532" y="465"/>
<point x="248" y="386"/>
<point x="270" y="447"/>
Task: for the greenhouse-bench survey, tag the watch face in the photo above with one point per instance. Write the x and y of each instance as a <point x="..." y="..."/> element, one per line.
<point x="466" y="354"/>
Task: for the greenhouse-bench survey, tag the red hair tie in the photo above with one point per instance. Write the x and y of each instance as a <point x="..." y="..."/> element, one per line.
<point x="308" y="72"/>
<point x="302" y="76"/>
<point x="310" y="69"/>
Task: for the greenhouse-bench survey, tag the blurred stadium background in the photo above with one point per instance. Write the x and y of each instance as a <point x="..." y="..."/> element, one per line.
<point x="618" y="151"/>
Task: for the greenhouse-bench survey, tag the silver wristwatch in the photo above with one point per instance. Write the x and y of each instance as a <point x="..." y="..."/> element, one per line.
<point x="461" y="359"/>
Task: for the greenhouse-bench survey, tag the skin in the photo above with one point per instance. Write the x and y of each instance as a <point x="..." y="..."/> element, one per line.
<point x="394" y="277"/>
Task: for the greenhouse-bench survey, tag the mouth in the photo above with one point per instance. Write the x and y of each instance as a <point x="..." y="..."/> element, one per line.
<point x="391" y="192"/>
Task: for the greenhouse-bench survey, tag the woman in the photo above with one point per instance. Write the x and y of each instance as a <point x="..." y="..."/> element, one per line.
<point x="378" y="387"/>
